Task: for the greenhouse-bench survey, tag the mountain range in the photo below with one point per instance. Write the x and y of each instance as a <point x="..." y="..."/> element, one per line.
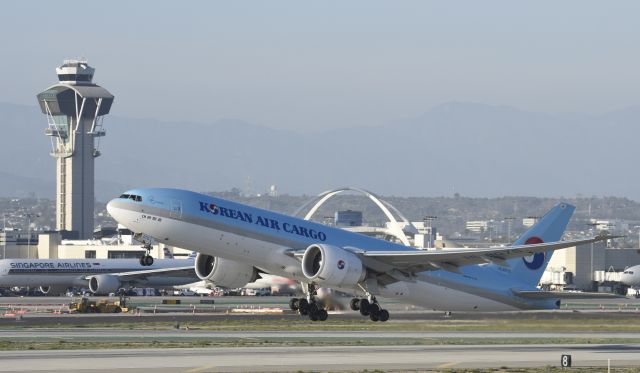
<point x="465" y="148"/>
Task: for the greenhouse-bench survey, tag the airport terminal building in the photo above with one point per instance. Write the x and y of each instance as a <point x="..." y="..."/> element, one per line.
<point x="589" y="268"/>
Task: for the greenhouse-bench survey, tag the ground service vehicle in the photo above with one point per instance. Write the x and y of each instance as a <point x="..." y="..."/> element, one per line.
<point x="103" y="306"/>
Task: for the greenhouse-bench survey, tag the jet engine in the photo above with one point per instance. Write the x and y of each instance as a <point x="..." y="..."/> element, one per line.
<point x="224" y="272"/>
<point x="53" y="290"/>
<point x="104" y="284"/>
<point x="332" y="266"/>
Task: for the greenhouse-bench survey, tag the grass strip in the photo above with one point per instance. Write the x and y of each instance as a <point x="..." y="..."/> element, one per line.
<point x="255" y="323"/>
<point x="89" y="343"/>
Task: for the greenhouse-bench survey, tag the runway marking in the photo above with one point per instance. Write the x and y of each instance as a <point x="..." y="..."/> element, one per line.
<point x="200" y="369"/>
<point x="447" y="365"/>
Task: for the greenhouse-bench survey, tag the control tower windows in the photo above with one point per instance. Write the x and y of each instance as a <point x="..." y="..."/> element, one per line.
<point x="62" y="124"/>
<point x="74" y="77"/>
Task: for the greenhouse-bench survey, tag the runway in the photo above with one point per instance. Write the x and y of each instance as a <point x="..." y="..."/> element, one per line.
<point x="342" y="358"/>
<point x="109" y="334"/>
<point x="413" y="340"/>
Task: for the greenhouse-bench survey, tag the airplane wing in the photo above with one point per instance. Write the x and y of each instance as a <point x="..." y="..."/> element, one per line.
<point x="186" y="271"/>
<point x="452" y="259"/>
<point x="533" y="294"/>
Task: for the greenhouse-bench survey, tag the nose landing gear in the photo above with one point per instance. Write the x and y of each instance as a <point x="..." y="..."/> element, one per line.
<point x="146" y="260"/>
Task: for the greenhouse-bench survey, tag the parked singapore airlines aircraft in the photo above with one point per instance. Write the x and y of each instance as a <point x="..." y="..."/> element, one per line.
<point x="101" y="276"/>
<point x="237" y="242"/>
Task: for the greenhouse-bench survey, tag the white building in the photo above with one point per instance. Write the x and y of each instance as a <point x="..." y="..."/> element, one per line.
<point x="52" y="246"/>
<point x="477" y="226"/>
<point x="529" y="222"/>
<point x="15" y="243"/>
<point x="588" y="267"/>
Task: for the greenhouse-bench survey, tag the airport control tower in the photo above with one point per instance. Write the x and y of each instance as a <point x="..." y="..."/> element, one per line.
<point x="75" y="108"/>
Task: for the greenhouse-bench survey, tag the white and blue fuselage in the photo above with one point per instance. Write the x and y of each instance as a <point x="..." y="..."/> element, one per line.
<point x="64" y="273"/>
<point x="266" y="239"/>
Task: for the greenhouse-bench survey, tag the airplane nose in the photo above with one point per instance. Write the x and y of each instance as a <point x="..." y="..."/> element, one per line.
<point x="112" y="209"/>
<point x="110" y="206"/>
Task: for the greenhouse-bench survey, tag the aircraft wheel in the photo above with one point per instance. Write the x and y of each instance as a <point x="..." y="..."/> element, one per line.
<point x="148" y="260"/>
<point x="364" y="307"/>
<point x="294" y="304"/>
<point x="354" y="304"/>
<point x="314" y="308"/>
<point x="383" y="315"/>
<point x="322" y="315"/>
<point x="142" y="260"/>
<point x="374" y="308"/>
<point x="313" y="316"/>
<point x="303" y="306"/>
<point x="374" y="316"/>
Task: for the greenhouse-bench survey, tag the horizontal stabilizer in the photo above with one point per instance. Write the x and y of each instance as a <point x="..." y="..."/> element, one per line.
<point x="184" y="271"/>
<point x="534" y="294"/>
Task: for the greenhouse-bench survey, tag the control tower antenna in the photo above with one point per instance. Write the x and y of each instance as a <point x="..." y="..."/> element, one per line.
<point x="74" y="108"/>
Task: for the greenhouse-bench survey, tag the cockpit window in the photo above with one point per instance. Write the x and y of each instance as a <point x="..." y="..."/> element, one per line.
<point x="132" y="197"/>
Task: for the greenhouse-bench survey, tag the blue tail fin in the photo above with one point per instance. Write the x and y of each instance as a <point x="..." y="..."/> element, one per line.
<point x="549" y="228"/>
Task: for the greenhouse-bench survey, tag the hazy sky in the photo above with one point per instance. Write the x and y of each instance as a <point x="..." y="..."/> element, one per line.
<point x="310" y="65"/>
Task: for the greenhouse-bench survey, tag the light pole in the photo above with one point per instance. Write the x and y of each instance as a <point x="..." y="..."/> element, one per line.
<point x="29" y="216"/>
<point x="429" y="220"/>
<point x="4" y="231"/>
<point x="509" y="219"/>
<point x="29" y="236"/>
<point x="593" y="226"/>
<point x="490" y="229"/>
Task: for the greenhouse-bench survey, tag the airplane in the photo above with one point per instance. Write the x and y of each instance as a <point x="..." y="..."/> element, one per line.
<point x="100" y="276"/>
<point x="237" y="242"/>
<point x="277" y="284"/>
<point x="631" y="277"/>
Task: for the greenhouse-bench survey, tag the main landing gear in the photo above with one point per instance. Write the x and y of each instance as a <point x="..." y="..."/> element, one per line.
<point x="146" y="260"/>
<point x="310" y="306"/>
<point x="369" y="307"/>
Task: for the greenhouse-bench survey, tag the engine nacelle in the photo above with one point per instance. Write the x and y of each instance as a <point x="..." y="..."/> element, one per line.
<point x="224" y="272"/>
<point x="332" y="266"/>
<point x="52" y="290"/>
<point x="104" y="284"/>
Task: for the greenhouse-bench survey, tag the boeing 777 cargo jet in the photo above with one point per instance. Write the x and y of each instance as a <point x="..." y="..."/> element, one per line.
<point x="237" y="242"/>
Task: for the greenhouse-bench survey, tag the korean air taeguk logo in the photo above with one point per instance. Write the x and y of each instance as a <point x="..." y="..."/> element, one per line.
<point x="534" y="261"/>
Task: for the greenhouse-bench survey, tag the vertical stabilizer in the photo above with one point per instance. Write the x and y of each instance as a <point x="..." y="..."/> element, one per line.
<point x="549" y="228"/>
